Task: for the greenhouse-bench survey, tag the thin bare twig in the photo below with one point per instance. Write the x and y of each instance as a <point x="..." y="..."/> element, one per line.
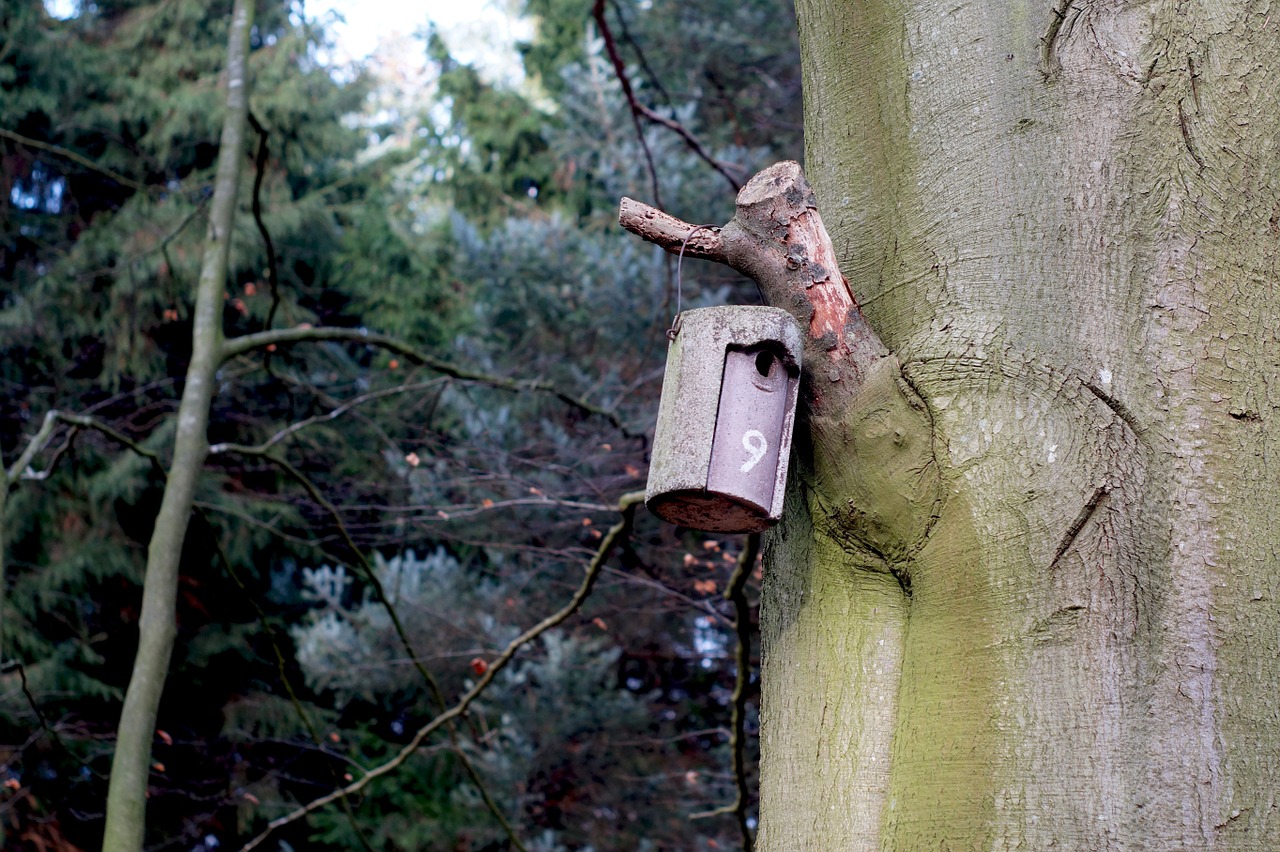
<point x="41" y="439"/>
<point x="79" y="159"/>
<point x="626" y="506"/>
<point x="736" y="592"/>
<point x="161" y="248"/>
<point x="21" y="469"/>
<point x="703" y="606"/>
<point x="308" y="334"/>
<point x="454" y="511"/>
<point x="282" y="669"/>
<point x="380" y="594"/>
<point x="260" y="173"/>
<point x="639" y="110"/>
<point x="89" y="423"/>
<point x="620" y="71"/>
<point x="334" y="414"/>
<point x="261" y="524"/>
<point x="639" y="52"/>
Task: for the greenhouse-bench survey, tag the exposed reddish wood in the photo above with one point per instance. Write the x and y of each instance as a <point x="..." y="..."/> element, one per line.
<point x="829" y="293"/>
<point x="778" y="238"/>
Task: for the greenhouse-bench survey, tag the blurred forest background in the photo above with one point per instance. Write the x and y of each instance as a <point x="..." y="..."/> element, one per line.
<point x="474" y="219"/>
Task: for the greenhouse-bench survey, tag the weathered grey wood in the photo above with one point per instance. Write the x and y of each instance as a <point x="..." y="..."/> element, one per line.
<point x="701" y="474"/>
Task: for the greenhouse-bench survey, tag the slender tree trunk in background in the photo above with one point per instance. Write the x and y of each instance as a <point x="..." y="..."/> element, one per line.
<point x="126" y="797"/>
<point x="1062" y="219"/>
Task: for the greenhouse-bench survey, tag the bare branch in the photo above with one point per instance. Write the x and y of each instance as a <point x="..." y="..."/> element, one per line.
<point x="626" y="506"/>
<point x="638" y="109"/>
<point x="130" y="764"/>
<point x="621" y="72"/>
<point x="321" y="418"/>
<point x="261" y="524"/>
<point x="453" y="511"/>
<point x="282" y="668"/>
<point x="380" y="594"/>
<point x="361" y="562"/>
<point x="703" y="606"/>
<point x="260" y="173"/>
<point x="34" y="446"/>
<point x="668" y="232"/>
<point x="736" y="592"/>
<point x="82" y="422"/>
<point x="690" y="140"/>
<point x="79" y="159"/>
<point x="639" y="52"/>
<point x="21" y="469"/>
<point x="162" y="248"/>
<point x="308" y="334"/>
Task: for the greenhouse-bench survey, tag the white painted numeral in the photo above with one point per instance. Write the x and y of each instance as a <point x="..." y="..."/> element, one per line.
<point x="756" y="445"/>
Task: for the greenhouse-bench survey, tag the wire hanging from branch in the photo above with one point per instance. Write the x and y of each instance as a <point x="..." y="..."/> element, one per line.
<point x="675" y="320"/>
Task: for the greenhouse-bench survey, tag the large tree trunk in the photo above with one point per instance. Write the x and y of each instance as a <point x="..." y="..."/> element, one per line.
<point x="131" y="763"/>
<point x="1053" y="623"/>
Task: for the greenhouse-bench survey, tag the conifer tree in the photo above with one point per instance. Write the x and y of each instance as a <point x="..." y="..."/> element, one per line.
<point x="489" y="244"/>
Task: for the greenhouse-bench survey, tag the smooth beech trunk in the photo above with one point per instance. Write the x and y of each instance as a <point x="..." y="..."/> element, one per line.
<point x="1035" y="604"/>
<point x="131" y="763"/>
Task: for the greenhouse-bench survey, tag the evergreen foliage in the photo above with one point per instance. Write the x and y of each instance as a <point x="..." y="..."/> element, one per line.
<point x="486" y="240"/>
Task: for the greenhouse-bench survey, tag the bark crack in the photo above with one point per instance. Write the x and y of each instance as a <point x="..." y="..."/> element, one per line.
<point x="1184" y="124"/>
<point x="854" y="544"/>
<point x="1246" y="415"/>
<point x="1077" y="526"/>
<point x="941" y="499"/>
<point x="903" y="577"/>
<point x="1049" y="66"/>
<point x="1151" y="68"/>
<point x="1117" y="407"/>
<point x="1195" y="78"/>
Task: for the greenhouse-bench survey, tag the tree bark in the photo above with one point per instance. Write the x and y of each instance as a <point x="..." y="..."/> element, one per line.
<point x="130" y="767"/>
<point x="1061" y="219"/>
<point x="1024" y="591"/>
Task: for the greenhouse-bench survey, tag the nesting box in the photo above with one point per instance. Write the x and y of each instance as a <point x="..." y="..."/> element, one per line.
<point x="723" y="440"/>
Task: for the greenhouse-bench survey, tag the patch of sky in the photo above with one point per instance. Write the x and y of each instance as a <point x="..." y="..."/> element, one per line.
<point x="62" y="9"/>
<point x="42" y="193"/>
<point x="483" y="35"/>
<point x="707" y="641"/>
